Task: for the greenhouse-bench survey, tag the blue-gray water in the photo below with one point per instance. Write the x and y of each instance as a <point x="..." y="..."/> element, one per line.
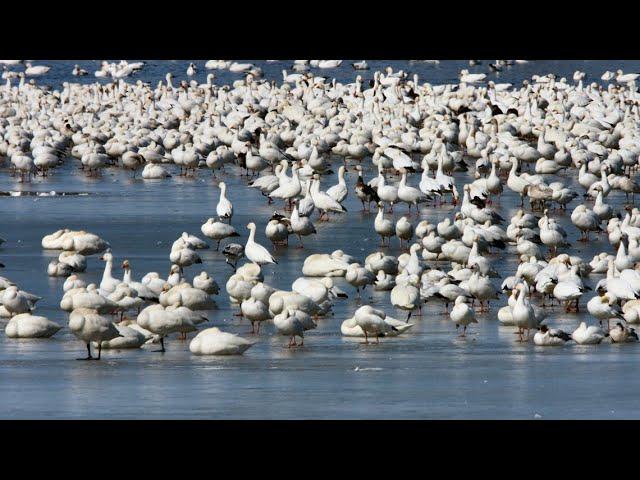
<point x="427" y="373"/>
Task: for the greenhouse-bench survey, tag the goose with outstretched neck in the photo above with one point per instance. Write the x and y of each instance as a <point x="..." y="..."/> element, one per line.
<point x="224" y="209"/>
<point x="254" y="251"/>
<point x="108" y="283"/>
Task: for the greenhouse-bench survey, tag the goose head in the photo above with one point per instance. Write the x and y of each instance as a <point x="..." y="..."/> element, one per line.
<point x="107" y="256"/>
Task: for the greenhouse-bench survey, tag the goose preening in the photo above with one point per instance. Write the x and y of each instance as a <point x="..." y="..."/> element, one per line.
<point x="462" y="315"/>
<point x="550" y="337"/>
<point x="162" y="321"/>
<point x="89" y="327"/>
<point x="26" y="325"/>
<point x="218" y="231"/>
<point x="289" y="324"/>
<point x="213" y="341"/>
<point x="372" y="322"/>
<point x="584" y="335"/>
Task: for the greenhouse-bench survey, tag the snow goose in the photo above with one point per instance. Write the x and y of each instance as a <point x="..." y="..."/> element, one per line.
<point x="602" y="309"/>
<point x="17" y="301"/>
<point x="89" y="326"/>
<point x="522" y="312"/>
<point x="183" y="255"/>
<point x="129" y="338"/>
<point x="586" y="220"/>
<point x="621" y="334"/>
<point x="339" y="192"/>
<point x="255" y="252"/>
<point x="517" y="183"/>
<point x="126" y="298"/>
<point x="601" y="209"/>
<point x="73" y="281"/>
<point x="406" y="295"/>
<point x="383" y="227"/>
<point x="288" y="190"/>
<point x="288" y="324"/>
<point x="25" y="325"/>
<point x="256" y="311"/>
<point x="301" y="226"/>
<point x="205" y="283"/>
<point x="386" y="193"/>
<point x="213" y="341"/>
<point x="278" y="229"/>
<point x="108" y="283"/>
<point x="323" y="202"/>
<point x="218" y="231"/>
<point x="224" y="208"/>
<point x="584" y="335"/>
<point x="404" y="230"/>
<point x="482" y="289"/>
<point x="462" y="314"/>
<point x="142" y="290"/>
<point x="162" y="321"/>
<point x="372" y="322"/>
<point x="408" y="194"/>
<point x="550" y="337"/>
<point x="359" y="277"/>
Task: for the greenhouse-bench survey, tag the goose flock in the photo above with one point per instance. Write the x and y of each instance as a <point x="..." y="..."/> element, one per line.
<point x="446" y="156"/>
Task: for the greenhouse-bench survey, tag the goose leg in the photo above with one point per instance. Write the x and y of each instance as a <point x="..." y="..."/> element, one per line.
<point x="161" y="346"/>
<point x="88" y="357"/>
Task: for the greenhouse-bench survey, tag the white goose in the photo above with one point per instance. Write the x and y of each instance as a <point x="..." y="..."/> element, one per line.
<point x="224" y="208"/>
<point x="372" y="322"/>
<point x="213" y="341"/>
<point x="339" y="192"/>
<point x="584" y="335"/>
<point x="462" y="314"/>
<point x="323" y="202"/>
<point x="254" y="251"/>
<point x="90" y="326"/>
<point x="108" y="283"/>
<point x="301" y="226"/>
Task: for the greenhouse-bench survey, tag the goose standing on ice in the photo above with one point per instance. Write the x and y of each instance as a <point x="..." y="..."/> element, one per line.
<point x="301" y="226"/>
<point x="218" y="231"/>
<point x="224" y="208"/>
<point x="372" y="322"/>
<point x="256" y="252"/>
<point x="383" y="226"/>
<point x="462" y="314"/>
<point x="323" y="202"/>
<point x="339" y="192"/>
<point x="90" y="326"/>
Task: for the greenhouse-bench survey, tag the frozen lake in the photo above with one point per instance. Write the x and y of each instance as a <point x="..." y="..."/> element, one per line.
<point x="427" y="373"/>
